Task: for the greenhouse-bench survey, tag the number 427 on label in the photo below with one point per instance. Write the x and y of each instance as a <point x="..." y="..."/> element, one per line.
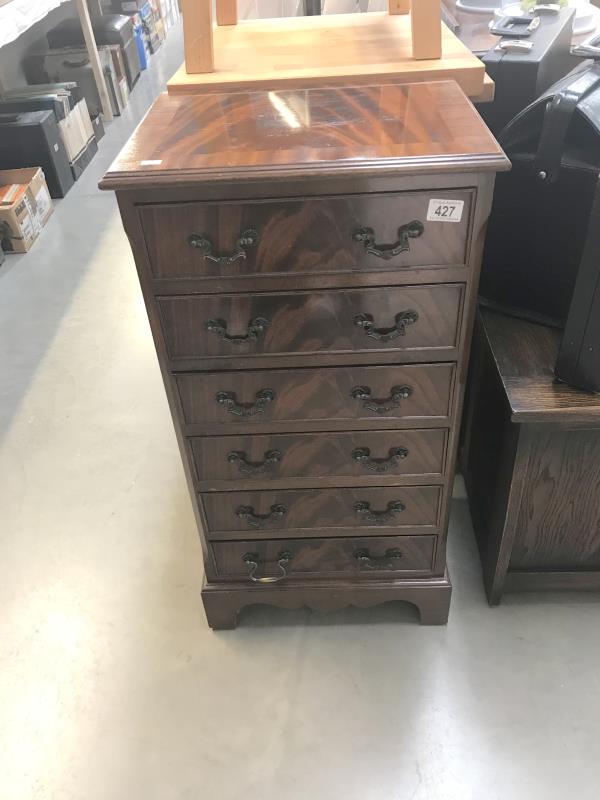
<point x="445" y="210"/>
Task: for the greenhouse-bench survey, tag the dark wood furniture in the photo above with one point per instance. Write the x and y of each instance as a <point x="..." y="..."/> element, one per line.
<point x="531" y="461"/>
<point x="311" y="302"/>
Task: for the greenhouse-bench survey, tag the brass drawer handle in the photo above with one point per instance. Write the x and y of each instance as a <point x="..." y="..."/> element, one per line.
<point x="366" y="236"/>
<point x="363" y="456"/>
<point x="378" y="517"/>
<point x="367" y="561"/>
<point x="384" y="406"/>
<point x="229" y="400"/>
<point x="254" y="520"/>
<point x="283" y="559"/>
<point x="404" y="318"/>
<point x="256" y="328"/>
<point x="200" y="241"/>
<point x="240" y="458"/>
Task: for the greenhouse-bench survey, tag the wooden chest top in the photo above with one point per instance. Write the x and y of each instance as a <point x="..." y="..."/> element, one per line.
<point x="404" y="129"/>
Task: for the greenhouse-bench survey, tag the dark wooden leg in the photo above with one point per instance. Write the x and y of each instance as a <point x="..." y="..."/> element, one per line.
<point x="221" y="612"/>
<point x="434" y="607"/>
<point x="494" y="590"/>
<point x="503" y="529"/>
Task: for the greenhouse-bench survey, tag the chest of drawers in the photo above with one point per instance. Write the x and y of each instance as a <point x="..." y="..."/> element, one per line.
<point x="309" y="262"/>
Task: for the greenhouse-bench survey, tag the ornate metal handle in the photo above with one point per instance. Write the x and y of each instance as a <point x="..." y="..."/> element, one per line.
<point x="200" y="241"/>
<point x="256" y="327"/>
<point x="379" y="517"/>
<point x="240" y="458"/>
<point x="363" y="456"/>
<point x="283" y="559"/>
<point x="385" y="405"/>
<point x="229" y="399"/>
<point x="404" y="318"/>
<point x="256" y="520"/>
<point x="367" y="561"/>
<point x="407" y="232"/>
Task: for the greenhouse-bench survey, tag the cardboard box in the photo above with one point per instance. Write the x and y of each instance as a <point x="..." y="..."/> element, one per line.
<point x="25" y="207"/>
<point x="85" y="121"/>
<point x="120" y="74"/>
<point x="84" y="158"/>
<point x="98" y="127"/>
<point x="73" y="131"/>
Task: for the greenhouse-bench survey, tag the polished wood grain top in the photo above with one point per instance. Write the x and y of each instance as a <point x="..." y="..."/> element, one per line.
<point x="525" y="354"/>
<point x="379" y="130"/>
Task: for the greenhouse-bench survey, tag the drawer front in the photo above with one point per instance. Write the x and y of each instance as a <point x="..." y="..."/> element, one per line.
<point x="358" y="458"/>
<point x="260" y="400"/>
<point x="420" y="319"/>
<point x="360" y="558"/>
<point x="265" y="513"/>
<point x="374" y="232"/>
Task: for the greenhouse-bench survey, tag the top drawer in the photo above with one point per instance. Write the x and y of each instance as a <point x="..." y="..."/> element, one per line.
<point x="343" y="234"/>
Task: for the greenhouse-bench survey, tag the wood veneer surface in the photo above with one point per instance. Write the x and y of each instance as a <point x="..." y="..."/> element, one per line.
<point x="403" y="128"/>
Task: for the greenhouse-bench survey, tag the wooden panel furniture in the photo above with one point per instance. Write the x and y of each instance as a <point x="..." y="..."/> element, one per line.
<point x="331" y="50"/>
<point x="309" y="267"/>
<point x="531" y="461"/>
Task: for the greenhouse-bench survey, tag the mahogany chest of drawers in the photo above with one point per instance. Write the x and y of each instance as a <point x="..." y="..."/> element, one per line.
<point x="309" y="262"/>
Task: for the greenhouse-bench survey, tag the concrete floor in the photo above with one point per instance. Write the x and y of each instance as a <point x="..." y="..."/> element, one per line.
<point x="112" y="687"/>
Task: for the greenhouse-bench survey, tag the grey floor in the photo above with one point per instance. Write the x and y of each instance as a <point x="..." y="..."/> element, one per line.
<point x="112" y="687"/>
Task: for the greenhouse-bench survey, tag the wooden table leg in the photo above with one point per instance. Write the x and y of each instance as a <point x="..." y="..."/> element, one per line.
<point x="197" y="35"/>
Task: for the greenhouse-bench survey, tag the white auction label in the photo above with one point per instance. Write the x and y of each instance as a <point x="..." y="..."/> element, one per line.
<point x="445" y="210"/>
